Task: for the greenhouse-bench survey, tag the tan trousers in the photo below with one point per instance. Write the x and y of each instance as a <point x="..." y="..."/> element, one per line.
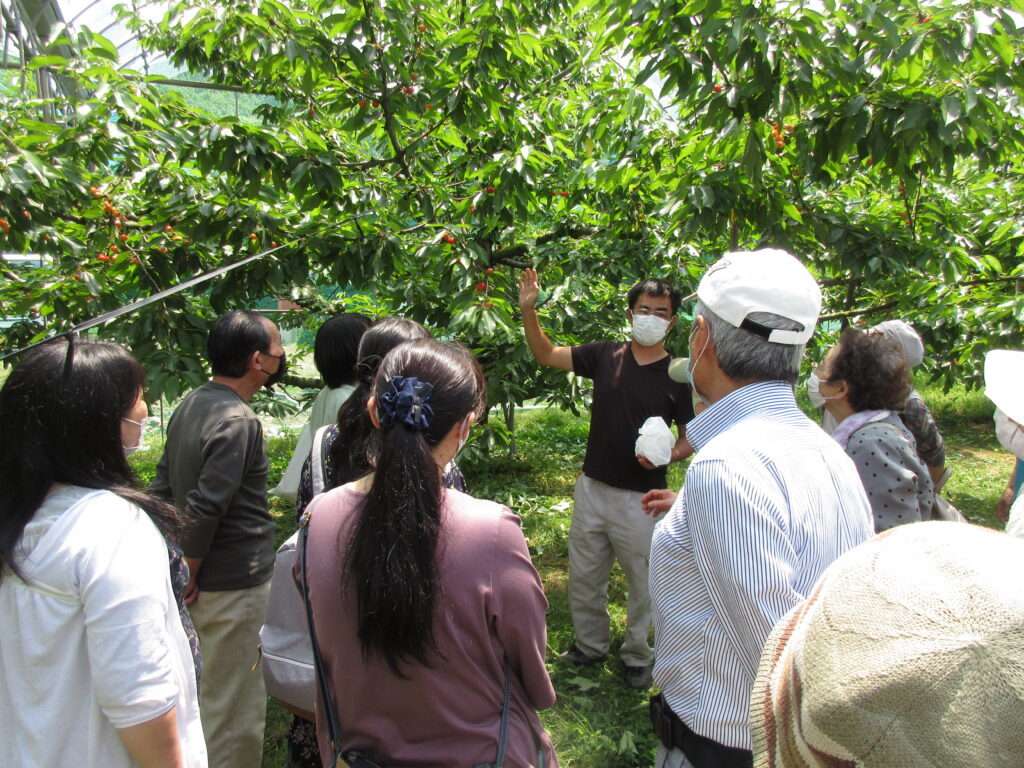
<point x="232" y="697"/>
<point x="609" y="524"/>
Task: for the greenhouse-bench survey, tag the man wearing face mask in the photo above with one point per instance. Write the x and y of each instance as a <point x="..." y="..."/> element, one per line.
<point x="630" y="385"/>
<point x="214" y="468"/>
<point x="769" y="501"/>
<point x="1004" y="371"/>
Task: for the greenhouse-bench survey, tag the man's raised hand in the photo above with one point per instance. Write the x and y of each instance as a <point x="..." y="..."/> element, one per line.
<point x="529" y="290"/>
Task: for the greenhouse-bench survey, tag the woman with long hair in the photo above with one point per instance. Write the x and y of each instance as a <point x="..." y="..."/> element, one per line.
<point x="420" y="592"/>
<point x="348" y="448"/>
<point x="862" y="382"/>
<point x="95" y="665"/>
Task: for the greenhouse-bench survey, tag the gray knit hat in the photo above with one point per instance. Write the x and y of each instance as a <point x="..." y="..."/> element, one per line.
<point x="909" y="653"/>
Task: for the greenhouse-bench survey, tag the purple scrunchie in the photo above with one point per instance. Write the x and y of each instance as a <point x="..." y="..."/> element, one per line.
<point x="405" y="402"/>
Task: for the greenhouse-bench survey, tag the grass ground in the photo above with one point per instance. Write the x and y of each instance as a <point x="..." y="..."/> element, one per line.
<point x="597" y="721"/>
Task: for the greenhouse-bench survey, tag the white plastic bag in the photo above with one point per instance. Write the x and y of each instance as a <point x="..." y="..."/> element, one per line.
<point x="655" y="441"/>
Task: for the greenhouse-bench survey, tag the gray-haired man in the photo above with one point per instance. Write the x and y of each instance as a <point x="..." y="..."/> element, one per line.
<point x="769" y="501"/>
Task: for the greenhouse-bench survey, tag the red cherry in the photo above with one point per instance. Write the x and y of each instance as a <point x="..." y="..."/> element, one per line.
<point x="481" y="286"/>
<point x="117" y="223"/>
<point x="376" y="103"/>
<point x="124" y="238"/>
<point x="717" y="88"/>
<point x="362" y="102"/>
<point x="168" y="228"/>
<point x="490" y="270"/>
<point x="103" y="257"/>
<point x="490" y="190"/>
<point x="565" y="194"/>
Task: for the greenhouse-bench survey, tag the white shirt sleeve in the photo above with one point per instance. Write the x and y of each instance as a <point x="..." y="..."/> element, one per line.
<point x="123" y="583"/>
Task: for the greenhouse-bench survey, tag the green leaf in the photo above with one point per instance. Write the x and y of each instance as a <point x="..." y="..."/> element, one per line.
<point x="951" y="108"/>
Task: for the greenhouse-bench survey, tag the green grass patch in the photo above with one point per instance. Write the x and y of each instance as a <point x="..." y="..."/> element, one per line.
<point x="598" y="722"/>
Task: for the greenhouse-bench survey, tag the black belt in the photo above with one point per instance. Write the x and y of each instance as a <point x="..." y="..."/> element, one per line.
<point x="701" y="751"/>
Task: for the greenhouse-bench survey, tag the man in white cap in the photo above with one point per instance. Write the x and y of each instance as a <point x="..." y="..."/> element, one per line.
<point x="769" y="501"/>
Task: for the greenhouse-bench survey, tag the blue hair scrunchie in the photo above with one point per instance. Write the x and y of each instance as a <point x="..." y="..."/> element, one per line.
<point x="405" y="402"/>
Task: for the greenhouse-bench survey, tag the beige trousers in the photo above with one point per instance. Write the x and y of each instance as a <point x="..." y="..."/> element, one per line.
<point x="232" y="697"/>
<point x="609" y="524"/>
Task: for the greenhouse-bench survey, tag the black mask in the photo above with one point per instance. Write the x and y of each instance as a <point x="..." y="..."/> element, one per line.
<point x="282" y="368"/>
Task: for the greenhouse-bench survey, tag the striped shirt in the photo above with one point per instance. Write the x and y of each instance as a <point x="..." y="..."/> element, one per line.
<point x="769" y="502"/>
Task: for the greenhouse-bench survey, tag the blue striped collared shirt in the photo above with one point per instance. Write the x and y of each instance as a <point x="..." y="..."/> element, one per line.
<point x="769" y="502"/>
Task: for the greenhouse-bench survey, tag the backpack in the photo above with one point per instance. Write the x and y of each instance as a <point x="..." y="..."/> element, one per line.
<point x="284" y="638"/>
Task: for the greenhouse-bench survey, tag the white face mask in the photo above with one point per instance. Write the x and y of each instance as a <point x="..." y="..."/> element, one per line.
<point x="817" y="399"/>
<point x="1009" y="434"/>
<point x="649" y="330"/>
<point x="130" y="449"/>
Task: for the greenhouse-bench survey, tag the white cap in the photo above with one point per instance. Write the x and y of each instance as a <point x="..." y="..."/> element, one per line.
<point x="1004" y="376"/>
<point x="904" y="334"/>
<point x="768" y="280"/>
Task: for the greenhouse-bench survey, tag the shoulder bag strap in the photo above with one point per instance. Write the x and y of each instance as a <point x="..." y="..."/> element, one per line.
<point x="503" y="738"/>
<point x="330" y="715"/>
<point x="317" y="460"/>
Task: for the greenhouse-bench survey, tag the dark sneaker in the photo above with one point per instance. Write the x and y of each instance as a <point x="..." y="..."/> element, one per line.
<point x="639" y="678"/>
<point x="575" y="656"/>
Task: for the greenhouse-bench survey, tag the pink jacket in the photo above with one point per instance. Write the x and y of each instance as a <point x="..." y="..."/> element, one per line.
<point x="492" y="604"/>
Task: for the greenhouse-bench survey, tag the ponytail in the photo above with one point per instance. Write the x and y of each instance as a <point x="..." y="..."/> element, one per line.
<point x="391" y="559"/>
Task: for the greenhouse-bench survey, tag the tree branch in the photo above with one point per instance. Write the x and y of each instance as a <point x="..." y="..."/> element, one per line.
<point x="853" y="312"/>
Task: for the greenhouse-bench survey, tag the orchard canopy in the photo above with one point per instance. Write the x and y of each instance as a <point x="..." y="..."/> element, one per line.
<point x="413" y="157"/>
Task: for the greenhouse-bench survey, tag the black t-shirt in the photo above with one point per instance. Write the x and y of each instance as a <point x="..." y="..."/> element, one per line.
<point x="626" y="394"/>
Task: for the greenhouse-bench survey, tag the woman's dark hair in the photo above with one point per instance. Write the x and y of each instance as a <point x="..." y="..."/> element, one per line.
<point x="60" y="422"/>
<point x="233" y="338"/>
<point x="874" y="368"/>
<point x="391" y="561"/>
<point x="353" y="451"/>
<point x="336" y="348"/>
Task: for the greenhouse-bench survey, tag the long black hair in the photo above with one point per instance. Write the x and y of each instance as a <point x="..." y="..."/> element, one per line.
<point x="353" y="451"/>
<point x="391" y="560"/>
<point x="60" y="422"/>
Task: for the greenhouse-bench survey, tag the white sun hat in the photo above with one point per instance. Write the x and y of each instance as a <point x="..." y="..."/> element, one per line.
<point x="1004" y="382"/>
